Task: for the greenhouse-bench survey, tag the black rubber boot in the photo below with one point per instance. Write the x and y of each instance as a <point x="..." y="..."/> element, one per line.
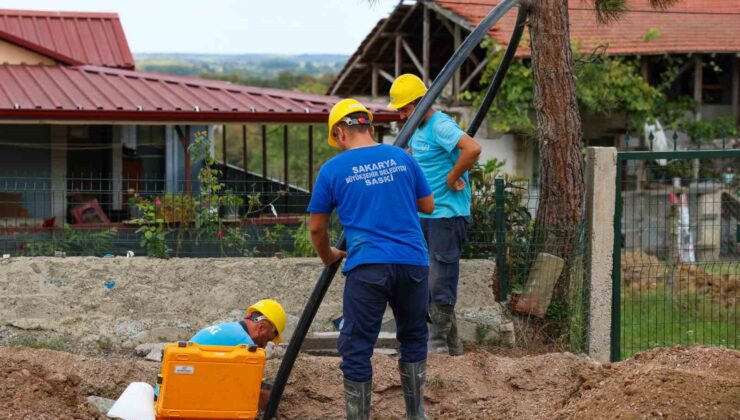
<point x="454" y="343"/>
<point x="443" y="336"/>
<point x="438" y="329"/>
<point x="413" y="378"/>
<point x="357" y="399"/>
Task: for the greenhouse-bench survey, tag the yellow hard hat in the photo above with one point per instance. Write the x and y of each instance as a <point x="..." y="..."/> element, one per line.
<point x="274" y="312"/>
<point x="406" y="89"/>
<point x="340" y="110"/>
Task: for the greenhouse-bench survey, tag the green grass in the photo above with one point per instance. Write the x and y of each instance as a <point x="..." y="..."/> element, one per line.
<point x="662" y="317"/>
<point x="732" y="268"/>
<point x="55" y="343"/>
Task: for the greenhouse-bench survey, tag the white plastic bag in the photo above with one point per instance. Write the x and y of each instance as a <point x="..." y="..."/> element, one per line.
<point x="136" y="403"/>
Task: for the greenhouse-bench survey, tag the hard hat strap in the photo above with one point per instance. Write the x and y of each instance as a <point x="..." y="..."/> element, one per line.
<point x="356" y="121"/>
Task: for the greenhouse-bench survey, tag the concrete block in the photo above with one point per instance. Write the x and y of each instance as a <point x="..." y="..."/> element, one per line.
<point x="484" y="325"/>
<point x="540" y="285"/>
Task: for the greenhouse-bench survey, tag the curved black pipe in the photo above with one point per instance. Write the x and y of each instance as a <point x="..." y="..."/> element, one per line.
<point x="309" y="313"/>
<point x="462" y="54"/>
<point x="327" y="275"/>
<point x="503" y="67"/>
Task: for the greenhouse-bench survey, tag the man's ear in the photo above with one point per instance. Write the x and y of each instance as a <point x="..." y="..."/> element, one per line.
<point x="372" y="132"/>
<point x="338" y="133"/>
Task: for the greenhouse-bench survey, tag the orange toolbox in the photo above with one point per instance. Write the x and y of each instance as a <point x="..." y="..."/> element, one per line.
<point x="209" y="382"/>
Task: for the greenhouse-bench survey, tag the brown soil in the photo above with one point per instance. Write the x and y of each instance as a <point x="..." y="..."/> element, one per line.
<point x="45" y="384"/>
<point x="642" y="272"/>
<point x="695" y="382"/>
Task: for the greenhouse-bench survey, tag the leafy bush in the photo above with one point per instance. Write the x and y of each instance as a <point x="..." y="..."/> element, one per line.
<point x="482" y="235"/>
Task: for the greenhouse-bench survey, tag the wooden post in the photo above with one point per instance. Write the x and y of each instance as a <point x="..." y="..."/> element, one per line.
<point x="456" y="78"/>
<point x="698" y="87"/>
<point x="310" y="158"/>
<point x="425" y="50"/>
<point x="286" y="179"/>
<point x="645" y="69"/>
<point x="245" y="161"/>
<point x="698" y="83"/>
<point x="735" y="93"/>
<point x="285" y="157"/>
<point x="374" y="82"/>
<point x="186" y="146"/>
<point x="264" y="153"/>
<point x="380" y="130"/>
<point x="223" y="151"/>
<point x="399" y="57"/>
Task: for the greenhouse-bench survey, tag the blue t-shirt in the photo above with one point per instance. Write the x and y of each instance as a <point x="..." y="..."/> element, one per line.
<point x="434" y="146"/>
<point x="375" y="189"/>
<point x="226" y="334"/>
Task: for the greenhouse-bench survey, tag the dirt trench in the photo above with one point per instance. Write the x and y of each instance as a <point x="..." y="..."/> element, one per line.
<point x="680" y="382"/>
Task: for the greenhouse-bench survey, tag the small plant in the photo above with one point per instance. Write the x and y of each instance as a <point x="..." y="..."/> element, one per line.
<point x="105" y="344"/>
<point x="74" y="242"/>
<point x="481" y="333"/>
<point x="435" y="383"/>
<point x="231" y="203"/>
<point x="238" y="240"/>
<point x="273" y="237"/>
<point x="53" y="343"/>
<point x="302" y="245"/>
<point x="153" y="230"/>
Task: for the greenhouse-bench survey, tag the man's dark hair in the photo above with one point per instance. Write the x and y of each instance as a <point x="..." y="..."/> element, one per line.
<point x="357" y="128"/>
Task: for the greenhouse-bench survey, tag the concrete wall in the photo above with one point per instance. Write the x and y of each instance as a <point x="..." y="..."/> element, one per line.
<point x="138" y="300"/>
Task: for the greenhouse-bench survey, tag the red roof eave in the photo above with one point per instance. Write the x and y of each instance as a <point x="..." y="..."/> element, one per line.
<point x="170" y="116"/>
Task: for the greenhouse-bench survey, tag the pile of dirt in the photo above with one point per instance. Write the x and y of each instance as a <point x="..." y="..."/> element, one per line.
<point x="691" y="383"/>
<point x="696" y="382"/>
<point x="43" y="384"/>
<point x="642" y="272"/>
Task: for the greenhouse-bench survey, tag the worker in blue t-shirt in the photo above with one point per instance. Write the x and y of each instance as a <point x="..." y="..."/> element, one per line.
<point x="377" y="190"/>
<point x="265" y="321"/>
<point x="445" y="154"/>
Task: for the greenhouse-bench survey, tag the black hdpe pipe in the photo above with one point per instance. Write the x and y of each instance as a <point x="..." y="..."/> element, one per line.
<point x="503" y="67"/>
<point x="327" y="275"/>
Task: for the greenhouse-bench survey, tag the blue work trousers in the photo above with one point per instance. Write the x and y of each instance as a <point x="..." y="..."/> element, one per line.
<point x="368" y="289"/>
<point x="445" y="238"/>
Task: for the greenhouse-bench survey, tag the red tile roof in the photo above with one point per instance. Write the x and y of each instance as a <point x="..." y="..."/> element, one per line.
<point x="689" y="26"/>
<point x="71" y="38"/>
<point x="89" y="92"/>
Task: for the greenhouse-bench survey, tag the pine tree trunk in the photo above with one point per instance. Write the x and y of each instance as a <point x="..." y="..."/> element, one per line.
<point x="560" y="208"/>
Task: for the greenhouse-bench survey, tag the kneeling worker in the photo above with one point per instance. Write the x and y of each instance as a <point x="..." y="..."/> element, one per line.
<point x="265" y="321"/>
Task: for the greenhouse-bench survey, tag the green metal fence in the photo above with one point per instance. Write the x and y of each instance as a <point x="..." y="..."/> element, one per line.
<point x="676" y="250"/>
<point x="528" y="262"/>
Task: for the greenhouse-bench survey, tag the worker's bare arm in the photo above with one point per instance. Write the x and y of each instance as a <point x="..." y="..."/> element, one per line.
<point x="319" y="227"/>
<point x="426" y="204"/>
<point x="469" y="153"/>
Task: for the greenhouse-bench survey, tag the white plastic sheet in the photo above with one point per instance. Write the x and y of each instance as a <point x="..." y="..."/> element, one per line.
<point x="136" y="403"/>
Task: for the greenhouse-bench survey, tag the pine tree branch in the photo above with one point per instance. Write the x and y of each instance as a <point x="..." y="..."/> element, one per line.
<point x="609" y="11"/>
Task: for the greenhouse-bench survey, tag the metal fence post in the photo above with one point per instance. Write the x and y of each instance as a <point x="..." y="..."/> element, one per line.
<point x="503" y="281"/>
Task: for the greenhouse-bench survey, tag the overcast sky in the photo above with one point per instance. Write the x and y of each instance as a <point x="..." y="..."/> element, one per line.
<point x="234" y="26"/>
